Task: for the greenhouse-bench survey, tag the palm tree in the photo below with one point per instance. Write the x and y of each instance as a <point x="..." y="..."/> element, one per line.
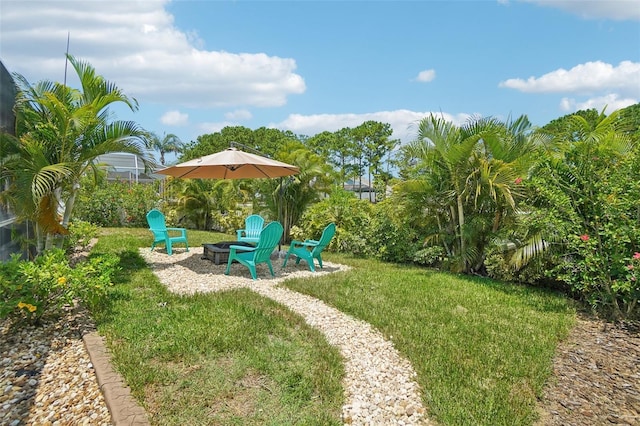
<point x="168" y="144"/>
<point x="287" y="198"/>
<point x="59" y="133"/>
<point x="196" y="202"/>
<point x="467" y="179"/>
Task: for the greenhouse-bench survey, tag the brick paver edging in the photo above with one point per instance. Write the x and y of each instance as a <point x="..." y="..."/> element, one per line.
<point x="124" y="410"/>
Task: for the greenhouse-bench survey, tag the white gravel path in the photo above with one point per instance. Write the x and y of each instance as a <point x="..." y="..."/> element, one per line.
<point x="379" y="384"/>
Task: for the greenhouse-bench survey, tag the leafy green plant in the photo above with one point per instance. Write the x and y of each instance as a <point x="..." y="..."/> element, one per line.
<point x="60" y="132"/>
<point x="116" y="203"/>
<point x="464" y="182"/>
<point x="351" y="216"/>
<point x="429" y="256"/>
<point x="10" y="285"/>
<point x="392" y="235"/>
<point x="629" y="285"/>
<point x="93" y="278"/>
<point x="101" y="205"/>
<point x="32" y="289"/>
<point x="80" y="234"/>
<point x="592" y="204"/>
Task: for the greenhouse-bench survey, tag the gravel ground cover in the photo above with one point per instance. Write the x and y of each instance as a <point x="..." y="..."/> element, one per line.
<point x="46" y="376"/>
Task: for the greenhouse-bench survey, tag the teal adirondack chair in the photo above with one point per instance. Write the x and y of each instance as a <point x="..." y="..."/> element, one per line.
<point x="162" y="234"/>
<point x="252" y="228"/>
<point x="308" y="250"/>
<point x="261" y="253"/>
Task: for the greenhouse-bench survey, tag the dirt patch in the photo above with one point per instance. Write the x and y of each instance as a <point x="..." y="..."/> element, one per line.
<point x="596" y="377"/>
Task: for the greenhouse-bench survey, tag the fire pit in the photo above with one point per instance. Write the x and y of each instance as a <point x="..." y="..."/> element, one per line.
<point x="218" y="253"/>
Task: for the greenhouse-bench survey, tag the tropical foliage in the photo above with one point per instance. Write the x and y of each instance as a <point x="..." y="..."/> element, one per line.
<point x="351" y="216"/>
<point x="118" y="203"/>
<point x="557" y="206"/>
<point x="31" y="289"/>
<point x="465" y="183"/>
<point x="287" y="199"/>
<point x="592" y="201"/>
<point x="552" y="206"/>
<point x="59" y="133"/>
<point x="169" y="143"/>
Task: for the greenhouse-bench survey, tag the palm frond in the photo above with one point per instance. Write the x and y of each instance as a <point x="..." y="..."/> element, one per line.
<point x="535" y="246"/>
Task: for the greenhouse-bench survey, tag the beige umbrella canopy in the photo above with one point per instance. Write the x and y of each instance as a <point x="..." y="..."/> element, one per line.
<point x="230" y="164"/>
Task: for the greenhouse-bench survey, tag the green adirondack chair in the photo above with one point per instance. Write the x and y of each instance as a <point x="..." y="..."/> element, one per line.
<point x="252" y="227"/>
<point x="261" y="253"/>
<point x="162" y="234"/>
<point x="308" y="250"/>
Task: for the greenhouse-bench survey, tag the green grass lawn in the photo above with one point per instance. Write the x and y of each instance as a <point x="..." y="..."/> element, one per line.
<point x="482" y="349"/>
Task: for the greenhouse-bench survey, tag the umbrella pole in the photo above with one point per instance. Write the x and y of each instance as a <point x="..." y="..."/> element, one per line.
<point x="280" y="214"/>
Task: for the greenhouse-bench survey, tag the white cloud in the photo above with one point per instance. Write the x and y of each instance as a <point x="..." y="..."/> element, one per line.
<point x="214" y="127"/>
<point x="402" y="122"/>
<point x="174" y="118"/>
<point x="590" y="77"/>
<point x="612" y="101"/>
<point x="426" y="76"/>
<point x="238" y="115"/>
<point x="135" y="44"/>
<point x="594" y="9"/>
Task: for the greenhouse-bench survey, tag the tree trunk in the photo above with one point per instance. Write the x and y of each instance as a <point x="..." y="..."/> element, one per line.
<point x="49" y="241"/>
<point x="39" y="239"/>
<point x="68" y="209"/>
<point x="370" y="187"/>
<point x="444" y="241"/>
<point x="68" y="206"/>
<point x="496" y="220"/>
<point x="463" y="245"/>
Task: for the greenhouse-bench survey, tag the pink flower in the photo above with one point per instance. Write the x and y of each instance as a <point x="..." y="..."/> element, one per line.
<point x="584" y="237"/>
<point x="636" y="255"/>
<point x="518" y="181"/>
<point x="630" y="267"/>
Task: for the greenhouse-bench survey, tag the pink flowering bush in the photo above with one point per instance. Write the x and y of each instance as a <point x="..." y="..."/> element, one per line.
<point x="589" y="202"/>
<point x="629" y="285"/>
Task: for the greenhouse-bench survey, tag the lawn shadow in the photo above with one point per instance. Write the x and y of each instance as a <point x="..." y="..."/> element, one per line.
<point x="539" y="298"/>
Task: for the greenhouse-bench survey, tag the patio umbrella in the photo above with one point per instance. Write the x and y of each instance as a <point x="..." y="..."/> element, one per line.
<point x="230" y="164"/>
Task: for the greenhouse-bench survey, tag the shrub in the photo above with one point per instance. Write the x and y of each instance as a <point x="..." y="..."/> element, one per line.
<point x="430" y="256"/>
<point x="591" y="201"/>
<point x="381" y="230"/>
<point x="31" y="289"/>
<point x="230" y="221"/>
<point x="80" y="235"/>
<point x="351" y="216"/>
<point x="391" y="233"/>
<point x="115" y="204"/>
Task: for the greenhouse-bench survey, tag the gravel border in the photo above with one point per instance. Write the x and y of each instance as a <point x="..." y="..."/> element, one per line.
<point x="47" y="377"/>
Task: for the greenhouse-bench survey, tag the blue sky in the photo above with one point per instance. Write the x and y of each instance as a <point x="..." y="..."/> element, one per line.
<point x="309" y="66"/>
